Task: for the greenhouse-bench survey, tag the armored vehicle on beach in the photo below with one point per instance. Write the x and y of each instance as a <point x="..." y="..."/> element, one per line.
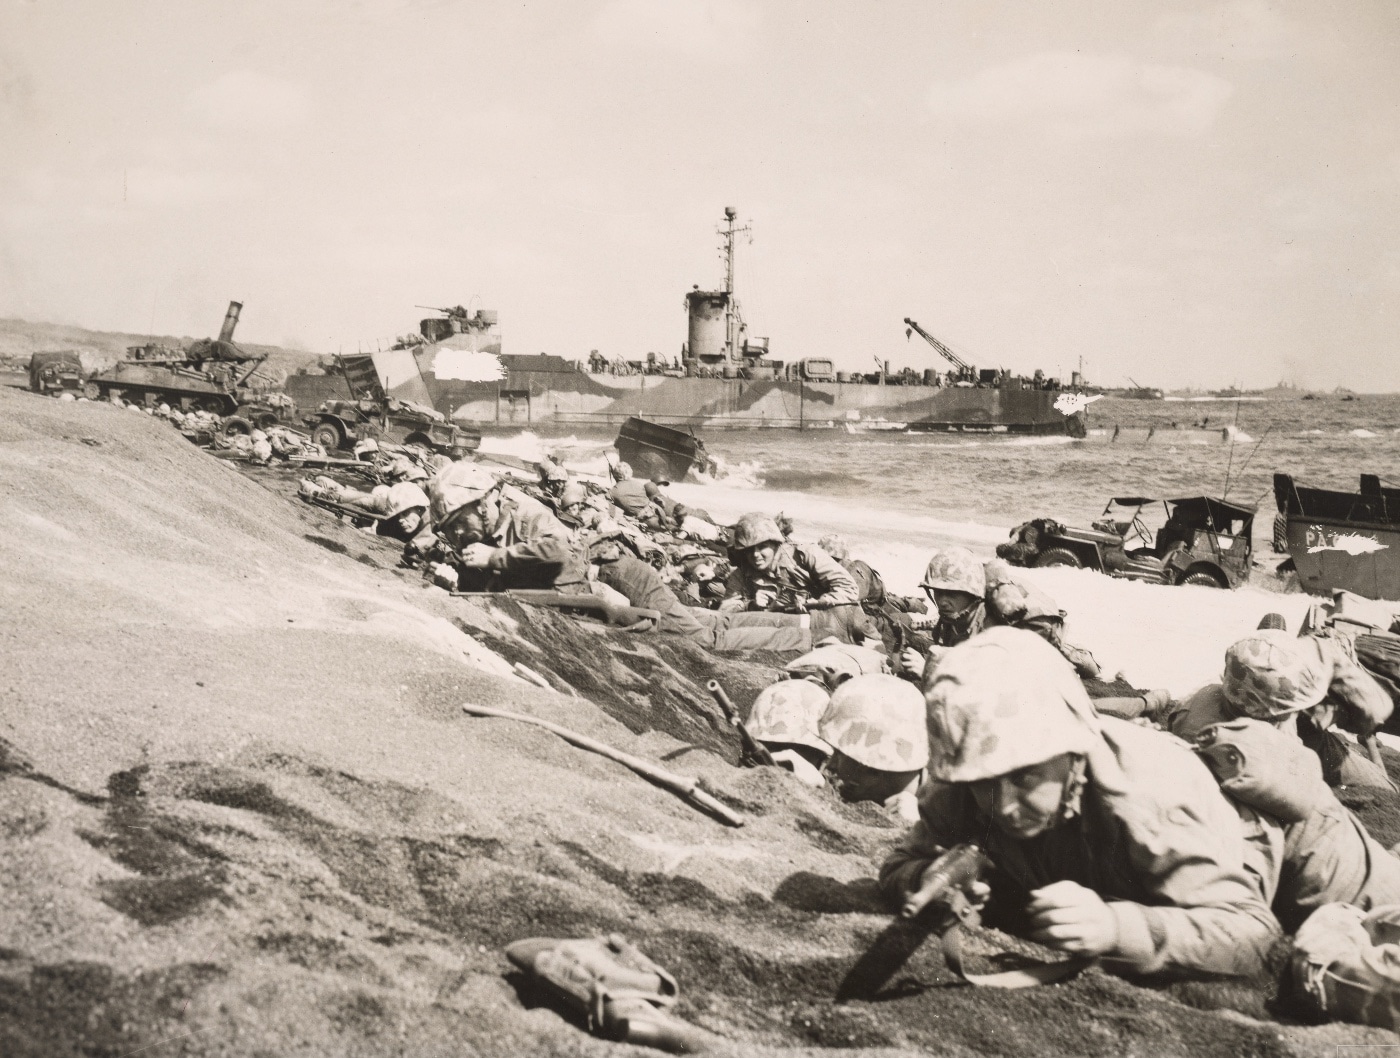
<point x="372" y="414"/>
<point x="211" y="374"/>
<point x="1205" y="542"/>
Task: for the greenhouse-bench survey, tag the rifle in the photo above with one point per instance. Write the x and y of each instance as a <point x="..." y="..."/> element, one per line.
<point x="344" y="510"/>
<point x="751" y="751"/>
<point x="940" y="905"/>
<point x="682" y="785"/>
<point x="564" y="601"/>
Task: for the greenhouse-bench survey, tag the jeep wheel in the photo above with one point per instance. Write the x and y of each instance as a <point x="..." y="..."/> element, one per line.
<point x="1203" y="579"/>
<point x="1058" y="556"/>
<point x="327" y="435"/>
<point x="236" y="424"/>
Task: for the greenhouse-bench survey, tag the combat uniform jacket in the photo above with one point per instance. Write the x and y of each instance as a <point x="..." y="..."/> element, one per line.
<point x="631" y="496"/>
<point x="805" y="573"/>
<point x="533" y="549"/>
<point x="1156" y="839"/>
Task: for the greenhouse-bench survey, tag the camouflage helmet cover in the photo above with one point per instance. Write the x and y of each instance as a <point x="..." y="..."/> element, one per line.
<point x="574" y="492"/>
<point x="457" y="485"/>
<point x="405" y="496"/>
<point x="878" y="720"/>
<point x="789" y="711"/>
<point x="1001" y="701"/>
<point x="955" y="569"/>
<point x="754" y="529"/>
<point x="1270" y="674"/>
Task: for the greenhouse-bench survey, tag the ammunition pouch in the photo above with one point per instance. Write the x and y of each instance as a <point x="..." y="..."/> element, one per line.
<point x="621" y="993"/>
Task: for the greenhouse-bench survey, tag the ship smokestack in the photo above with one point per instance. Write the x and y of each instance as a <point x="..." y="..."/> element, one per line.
<point x="230" y="321"/>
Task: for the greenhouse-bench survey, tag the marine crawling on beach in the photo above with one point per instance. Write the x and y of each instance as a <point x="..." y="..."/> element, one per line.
<point x="1116" y="840"/>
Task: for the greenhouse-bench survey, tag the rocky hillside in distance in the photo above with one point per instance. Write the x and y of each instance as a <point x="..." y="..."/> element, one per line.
<point x="20" y="339"/>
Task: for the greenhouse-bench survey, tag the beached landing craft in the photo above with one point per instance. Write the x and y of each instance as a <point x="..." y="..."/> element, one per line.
<point x="722" y="379"/>
<point x="1341" y="540"/>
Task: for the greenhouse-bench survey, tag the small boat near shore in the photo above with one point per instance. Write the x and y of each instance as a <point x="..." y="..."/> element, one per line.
<point x="1346" y="541"/>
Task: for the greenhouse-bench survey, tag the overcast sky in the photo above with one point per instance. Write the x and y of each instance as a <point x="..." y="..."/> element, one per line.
<point x="1180" y="192"/>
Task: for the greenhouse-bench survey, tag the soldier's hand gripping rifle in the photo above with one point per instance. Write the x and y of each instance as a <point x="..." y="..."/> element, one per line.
<point x="751" y="751"/>
<point x="941" y="904"/>
<point x="945" y="886"/>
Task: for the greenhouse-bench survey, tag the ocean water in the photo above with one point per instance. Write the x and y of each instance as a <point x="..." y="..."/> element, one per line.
<point x="896" y="497"/>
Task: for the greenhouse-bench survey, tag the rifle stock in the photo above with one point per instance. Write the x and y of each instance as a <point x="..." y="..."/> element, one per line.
<point x="752" y="752"/>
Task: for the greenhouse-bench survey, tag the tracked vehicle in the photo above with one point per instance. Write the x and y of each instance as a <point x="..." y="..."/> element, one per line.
<point x="211" y="374"/>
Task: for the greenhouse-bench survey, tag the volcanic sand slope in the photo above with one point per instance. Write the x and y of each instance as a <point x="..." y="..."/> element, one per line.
<point x="242" y="813"/>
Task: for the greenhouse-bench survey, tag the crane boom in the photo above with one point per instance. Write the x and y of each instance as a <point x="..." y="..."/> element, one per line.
<point x="948" y="354"/>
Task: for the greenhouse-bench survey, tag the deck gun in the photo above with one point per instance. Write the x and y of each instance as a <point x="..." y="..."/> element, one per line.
<point x="752" y="752"/>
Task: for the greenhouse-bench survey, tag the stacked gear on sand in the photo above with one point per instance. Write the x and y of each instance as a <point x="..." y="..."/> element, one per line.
<point x="621" y="994"/>
<point x="832" y="663"/>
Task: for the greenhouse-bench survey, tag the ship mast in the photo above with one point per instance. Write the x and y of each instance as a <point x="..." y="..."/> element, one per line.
<point x="732" y="319"/>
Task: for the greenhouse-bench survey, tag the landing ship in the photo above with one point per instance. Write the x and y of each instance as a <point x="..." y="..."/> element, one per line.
<point x="722" y="379"/>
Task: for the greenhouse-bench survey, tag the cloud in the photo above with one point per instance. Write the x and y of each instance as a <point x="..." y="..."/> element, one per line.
<point x="1084" y="96"/>
<point x="149" y="186"/>
<point x="717" y="29"/>
<point x="248" y="100"/>
<point x="1240" y="29"/>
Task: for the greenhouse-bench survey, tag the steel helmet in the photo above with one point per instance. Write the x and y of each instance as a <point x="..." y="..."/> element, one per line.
<point x="404" y="497"/>
<point x="835" y="546"/>
<point x="621" y="470"/>
<point x="955" y="569"/>
<point x="754" y="529"/>
<point x="457" y="485"/>
<point x="878" y="720"/>
<point x="789" y="711"/>
<point x="552" y="471"/>
<point x="574" y="492"/>
<point x="1004" y="700"/>
<point x="1270" y="674"/>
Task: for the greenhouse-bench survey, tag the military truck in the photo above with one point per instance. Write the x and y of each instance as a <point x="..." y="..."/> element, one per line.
<point x="56" y="372"/>
<point x="373" y="414"/>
